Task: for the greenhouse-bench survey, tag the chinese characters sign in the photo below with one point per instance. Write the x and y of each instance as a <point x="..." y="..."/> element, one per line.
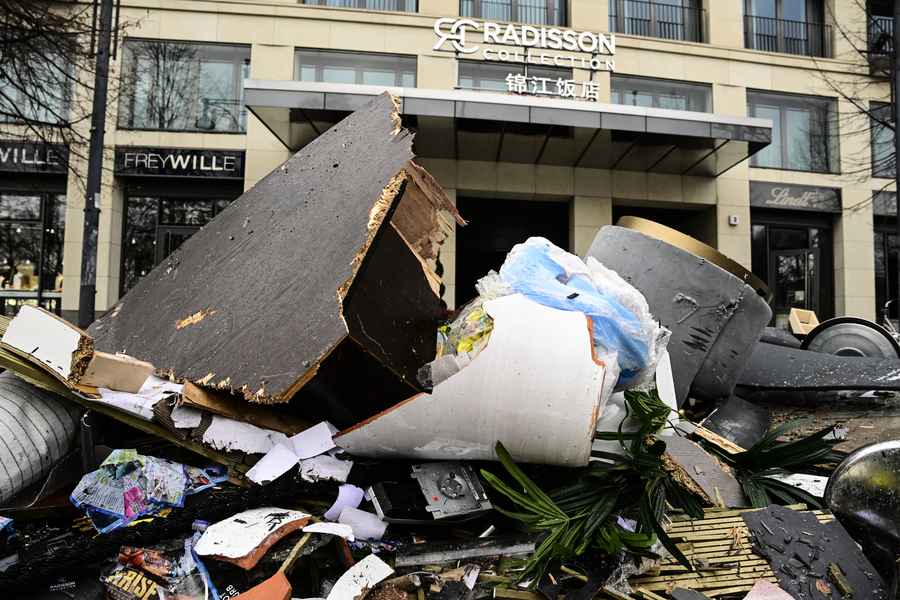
<point x="546" y="86"/>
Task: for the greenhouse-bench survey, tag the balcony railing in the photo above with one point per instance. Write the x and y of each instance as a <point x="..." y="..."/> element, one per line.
<point x="881" y="36"/>
<point x="788" y="37"/>
<point x="386" y="5"/>
<point x="652" y="19"/>
<point x="537" y="12"/>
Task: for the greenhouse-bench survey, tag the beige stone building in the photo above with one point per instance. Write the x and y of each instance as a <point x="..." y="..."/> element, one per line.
<point x="719" y="118"/>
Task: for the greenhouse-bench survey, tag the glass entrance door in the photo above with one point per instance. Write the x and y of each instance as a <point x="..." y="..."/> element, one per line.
<point x="168" y="239"/>
<point x="795" y="275"/>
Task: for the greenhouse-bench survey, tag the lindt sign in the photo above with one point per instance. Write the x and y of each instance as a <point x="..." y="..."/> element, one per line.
<point x="469" y="37"/>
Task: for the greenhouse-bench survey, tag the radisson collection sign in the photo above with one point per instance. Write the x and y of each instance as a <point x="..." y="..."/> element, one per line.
<point x="528" y="45"/>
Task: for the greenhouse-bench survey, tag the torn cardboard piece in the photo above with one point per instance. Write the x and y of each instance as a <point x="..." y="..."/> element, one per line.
<point x="58" y="346"/>
<point x="537" y="370"/>
<point x="244" y="538"/>
<point x="116" y="372"/>
<point x="346" y="212"/>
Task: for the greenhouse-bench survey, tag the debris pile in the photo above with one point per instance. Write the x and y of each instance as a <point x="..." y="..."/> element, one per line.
<point x="583" y="428"/>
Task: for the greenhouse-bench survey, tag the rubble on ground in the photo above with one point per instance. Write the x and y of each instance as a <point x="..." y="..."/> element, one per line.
<point x="285" y="409"/>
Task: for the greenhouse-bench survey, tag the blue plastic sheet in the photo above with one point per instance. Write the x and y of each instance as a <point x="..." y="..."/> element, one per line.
<point x="550" y="276"/>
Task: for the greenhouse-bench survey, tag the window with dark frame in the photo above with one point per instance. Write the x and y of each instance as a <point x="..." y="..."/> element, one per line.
<point x="881" y="28"/>
<point x="661" y="93"/>
<point x="787" y="26"/>
<point x="883" y="157"/>
<point x="804" y="132"/>
<point x="183" y="86"/>
<point x="361" y="68"/>
<point x="666" y="19"/>
<point x="32" y="234"/>
<point x="484" y="76"/>
<point x="536" y="12"/>
<point x="382" y="5"/>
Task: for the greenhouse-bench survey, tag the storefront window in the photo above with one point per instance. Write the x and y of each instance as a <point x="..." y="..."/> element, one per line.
<point x="883" y="160"/>
<point x="387" y="5"/>
<point x="661" y="93"/>
<point x="32" y="231"/>
<point x="538" y="12"/>
<point x="484" y="76"/>
<point x="181" y="86"/>
<point x="355" y="67"/>
<point x="155" y="227"/>
<point x="804" y="132"/>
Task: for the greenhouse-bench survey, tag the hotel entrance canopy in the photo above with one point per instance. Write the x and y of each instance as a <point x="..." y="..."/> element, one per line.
<point x="484" y="126"/>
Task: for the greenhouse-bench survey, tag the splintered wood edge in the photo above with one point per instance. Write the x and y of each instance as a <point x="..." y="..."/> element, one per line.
<point x="684" y="479"/>
<point x="717" y="440"/>
<point x="81" y="358"/>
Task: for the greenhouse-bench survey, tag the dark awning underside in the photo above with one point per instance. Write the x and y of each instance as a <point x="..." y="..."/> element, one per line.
<point x="482" y="126"/>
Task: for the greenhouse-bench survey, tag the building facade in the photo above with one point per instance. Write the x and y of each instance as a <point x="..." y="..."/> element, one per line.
<point x="735" y="121"/>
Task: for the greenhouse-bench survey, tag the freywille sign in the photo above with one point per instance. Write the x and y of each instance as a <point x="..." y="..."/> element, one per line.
<point x="526" y="43"/>
<point x="179" y="162"/>
<point x="794" y="197"/>
<point x="32" y="157"/>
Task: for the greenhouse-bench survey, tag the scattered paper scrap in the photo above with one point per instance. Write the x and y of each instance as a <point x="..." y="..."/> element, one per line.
<point x="228" y="434"/>
<point x="363" y="576"/>
<point x="366" y="525"/>
<point x="314" y="441"/>
<point x="278" y="461"/>
<point x="325" y="468"/>
<point x="348" y="495"/>
<point x="141" y="403"/>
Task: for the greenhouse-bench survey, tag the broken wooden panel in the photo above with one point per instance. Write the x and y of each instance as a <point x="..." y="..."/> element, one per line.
<point x="56" y="345"/>
<point x="719" y="548"/>
<point x="257" y="300"/>
<point x="699" y="472"/>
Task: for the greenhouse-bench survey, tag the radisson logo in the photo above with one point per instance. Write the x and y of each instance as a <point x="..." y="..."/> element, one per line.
<point x="455" y="31"/>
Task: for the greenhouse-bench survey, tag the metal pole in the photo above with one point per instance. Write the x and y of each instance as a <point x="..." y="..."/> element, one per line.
<point x="88" y="291"/>
<point x="895" y="93"/>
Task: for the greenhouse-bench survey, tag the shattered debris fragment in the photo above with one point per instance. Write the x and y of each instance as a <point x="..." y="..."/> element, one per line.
<point x="244" y="538"/>
<point x="360" y="234"/>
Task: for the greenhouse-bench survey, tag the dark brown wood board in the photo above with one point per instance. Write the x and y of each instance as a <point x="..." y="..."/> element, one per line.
<point x="252" y="303"/>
